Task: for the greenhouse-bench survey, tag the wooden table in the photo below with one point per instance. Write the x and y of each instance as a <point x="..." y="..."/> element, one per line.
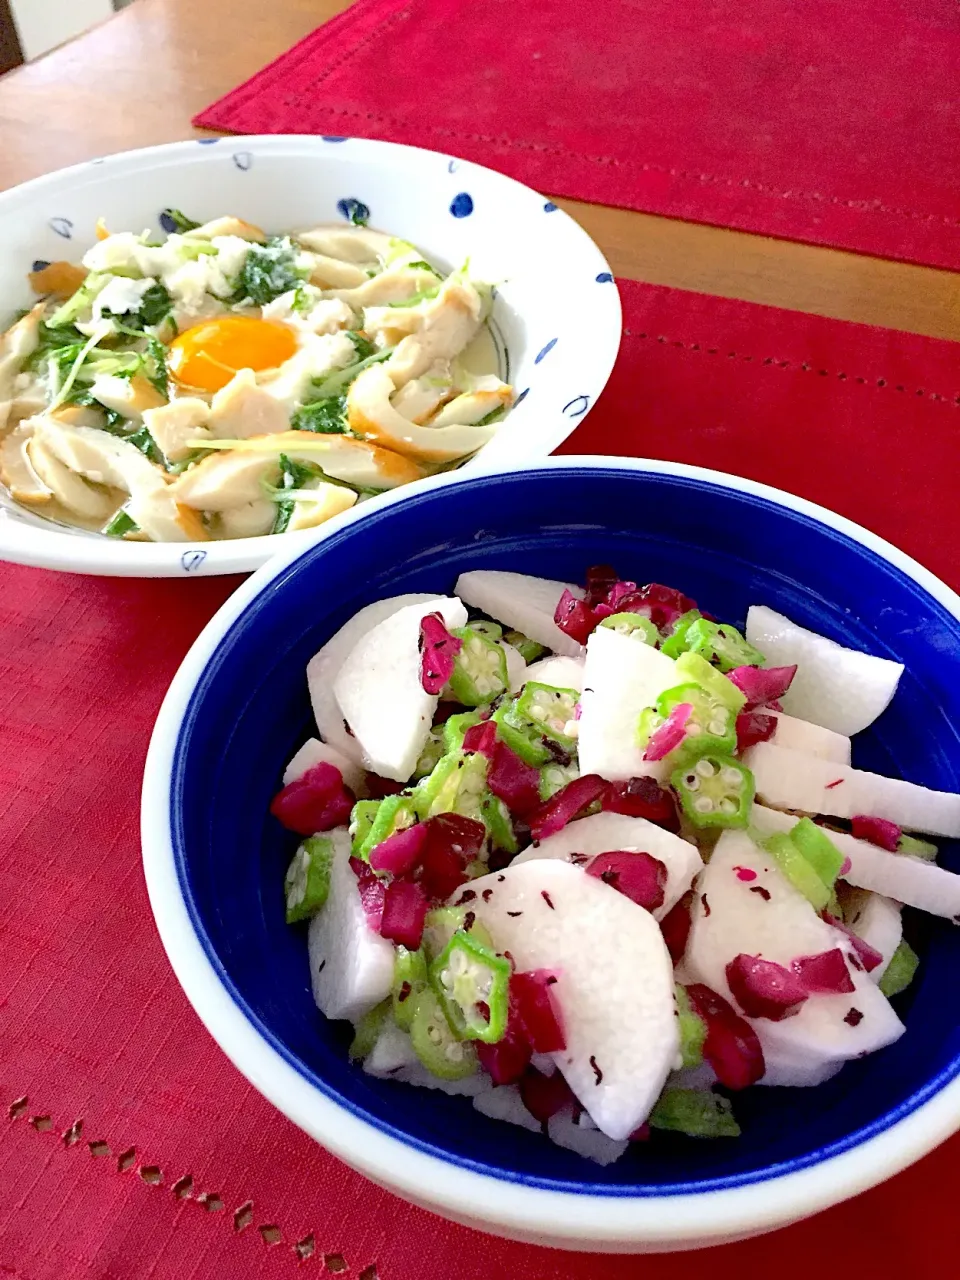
<point x="139" y="78"/>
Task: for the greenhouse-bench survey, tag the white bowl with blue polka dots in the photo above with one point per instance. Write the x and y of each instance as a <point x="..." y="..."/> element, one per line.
<point x="556" y="314"/>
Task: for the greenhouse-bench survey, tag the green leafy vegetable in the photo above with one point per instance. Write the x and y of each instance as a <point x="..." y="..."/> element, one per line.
<point x="424" y="296"/>
<point x="493" y="416"/>
<point x="80" y="302"/>
<point x="292" y="476"/>
<point x="361" y="343"/>
<point x="420" y="265"/>
<point x="120" y="524"/>
<point x="333" y="384"/>
<point x="329" y="416"/>
<point x="268" y="271"/>
<point x="144" y="441"/>
<point x="181" y="222"/>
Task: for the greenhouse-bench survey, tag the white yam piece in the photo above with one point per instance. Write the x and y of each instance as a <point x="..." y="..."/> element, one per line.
<point x="392" y="1051"/>
<point x="614" y="982"/>
<point x="468" y="1087"/>
<point x="314" y="752"/>
<point x="524" y="603"/>
<point x="560" y="672"/>
<point x="503" y="1102"/>
<point x="878" y="921"/>
<point x="570" y="1128"/>
<point x="839" y="688"/>
<point x="811" y="739"/>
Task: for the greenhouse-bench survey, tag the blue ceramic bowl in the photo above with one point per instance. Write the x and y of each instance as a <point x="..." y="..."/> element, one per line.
<point x="215" y="861"/>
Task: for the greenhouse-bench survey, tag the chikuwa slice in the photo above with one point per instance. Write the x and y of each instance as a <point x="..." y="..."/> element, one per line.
<point x="606" y="832"/>
<point x="524" y="603"/>
<point x="324" y="667"/>
<point x="614" y="984"/>
<point x="379" y="689"/>
<point x="351" y="967"/>
<point x="620" y="679"/>
<point x="839" y="688"/>
<point x="804" y="784"/>
<point x="913" y="881"/>
<point x="744" y="905"/>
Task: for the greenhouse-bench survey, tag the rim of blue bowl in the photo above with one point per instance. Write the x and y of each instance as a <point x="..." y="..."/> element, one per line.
<point x="577" y="1218"/>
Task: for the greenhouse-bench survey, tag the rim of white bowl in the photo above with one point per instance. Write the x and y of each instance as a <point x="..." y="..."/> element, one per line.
<point x="575" y="1219"/>
<point x="72" y="551"/>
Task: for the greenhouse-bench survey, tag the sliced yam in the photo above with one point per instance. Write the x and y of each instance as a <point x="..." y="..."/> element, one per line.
<point x="392" y="1051"/>
<point x="503" y="1102"/>
<point x="608" y="832"/>
<point x="559" y="671"/>
<point x="252" y="520"/>
<point x="620" y="678"/>
<point x="59" y="280"/>
<point x="130" y="396"/>
<point x="353" y="461"/>
<point x="516" y="667"/>
<point x="351" y="967"/>
<point x="418" y="1075"/>
<point x="614" y="985"/>
<point x="571" y="1128"/>
<point x="878" y="921"/>
<point x="241" y="409"/>
<point x="839" y="688"/>
<point x="730" y="917"/>
<point x="17" y="470"/>
<point x="789" y="1067"/>
<point x="229" y="226"/>
<point x="69" y="489"/>
<point x="791" y="780"/>
<point x="226" y="482"/>
<point x="315" y="752"/>
<point x="522" y="602"/>
<point x="324" y="667"/>
<point x="379" y="692"/>
<point x="912" y="881"/>
<point x="473" y="406"/>
<point x="811" y="739"/>
<point x="178" y="426"/>
<point x="371" y="416"/>
<point x="330" y="500"/>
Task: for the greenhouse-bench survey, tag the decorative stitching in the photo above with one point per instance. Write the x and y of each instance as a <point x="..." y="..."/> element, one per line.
<point x="798" y="367"/>
<point x="151" y="1175"/>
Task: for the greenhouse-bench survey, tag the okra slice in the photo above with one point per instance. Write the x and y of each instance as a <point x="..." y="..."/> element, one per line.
<point x="797" y="870"/>
<point x="554" y="777"/>
<point x="529" y="650"/>
<point x="307" y="881"/>
<point x="455" y="729"/>
<point x="633" y="625"/>
<point x="443" y="922"/>
<point x="711" y="727"/>
<point x="694" y="668"/>
<point x="523" y="738"/>
<point x="715" y="791"/>
<point x="394" y="813"/>
<point x="471" y="982"/>
<point x="693" y="1029"/>
<point x="362" y="817"/>
<point x="433" y="749"/>
<point x="456" y="785"/>
<point x="722" y="646"/>
<point x="435" y="1044"/>
<point x="479" y="669"/>
<point x="409" y="979"/>
<point x="900" y="972"/>
<point x="696" y="1112"/>
<point x="366" y="1031"/>
<point x="818" y="849"/>
<point x="676" y="641"/>
<point x="550" y="710"/>
<point x="496" y="818"/>
<point x="917" y="848"/>
<point x="492" y="630"/>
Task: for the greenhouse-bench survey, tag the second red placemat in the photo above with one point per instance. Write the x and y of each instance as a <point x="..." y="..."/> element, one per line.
<point x="130" y="1148"/>
<point x="835" y="124"/>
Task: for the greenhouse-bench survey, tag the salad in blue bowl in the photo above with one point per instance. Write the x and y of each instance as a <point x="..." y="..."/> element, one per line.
<point x="609" y="802"/>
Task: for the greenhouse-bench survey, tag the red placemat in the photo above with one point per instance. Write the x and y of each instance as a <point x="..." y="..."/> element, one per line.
<point x="832" y="123"/>
<point x="130" y="1148"/>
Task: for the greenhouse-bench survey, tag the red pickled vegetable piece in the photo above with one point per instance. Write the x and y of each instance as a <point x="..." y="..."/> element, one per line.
<point x="675" y="927"/>
<point x="641" y="1134"/>
<point x="732" y="1047"/>
<point x="379" y="787"/>
<point x="600" y="579"/>
<point x="565" y="805"/>
<point x="670" y="734"/>
<point x="765" y="989"/>
<point x="643" y="798"/>
<point x="620" y="595"/>
<point x="400" y="852"/>
<point x="537" y="1011"/>
<point x="405" y="906"/>
<point x="452" y="842"/>
<point x="877" y="830"/>
<point x="664" y="605"/>
<point x="762" y="685"/>
<point x="372" y="892"/>
<point x="825" y="972"/>
<point x="481" y="738"/>
<point x="574" y="617"/>
<point x="513" y="780"/>
<point x="438" y="649"/>
<point x="868" y="956"/>
<point x="754" y="727"/>
<point x="507" y="1059"/>
<point x="544" y="1096"/>
<point x="638" y="876"/>
<point x="317" y="801"/>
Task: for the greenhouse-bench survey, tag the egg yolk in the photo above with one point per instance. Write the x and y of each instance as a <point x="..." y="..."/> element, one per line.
<point x="206" y="357"/>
